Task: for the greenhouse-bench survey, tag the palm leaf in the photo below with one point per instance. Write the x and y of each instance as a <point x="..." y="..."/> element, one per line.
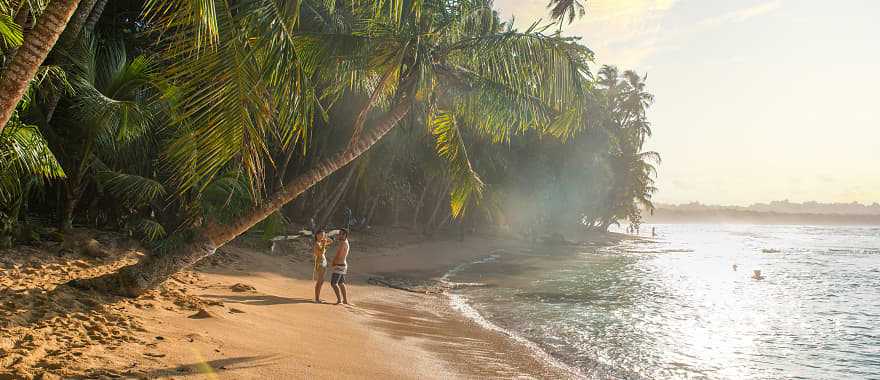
<point x="449" y="145"/>
<point x="10" y="32"/>
<point x="132" y="189"/>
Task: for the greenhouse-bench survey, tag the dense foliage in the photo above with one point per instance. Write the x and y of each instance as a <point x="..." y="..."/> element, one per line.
<point x="161" y="117"/>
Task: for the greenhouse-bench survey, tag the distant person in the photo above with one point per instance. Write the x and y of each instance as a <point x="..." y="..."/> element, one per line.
<point x="340" y="267"/>
<point x="653" y="231"/>
<point x="735" y="267"/>
<point x="757" y="275"/>
<point x="320" y="247"/>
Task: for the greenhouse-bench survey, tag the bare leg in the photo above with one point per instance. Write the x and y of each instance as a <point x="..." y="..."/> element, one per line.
<point x="344" y="295"/>
<point x="336" y="290"/>
<point x="318" y="285"/>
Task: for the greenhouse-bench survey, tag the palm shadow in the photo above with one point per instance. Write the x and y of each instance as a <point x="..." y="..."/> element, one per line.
<point x="217" y="366"/>
<point x="257" y="299"/>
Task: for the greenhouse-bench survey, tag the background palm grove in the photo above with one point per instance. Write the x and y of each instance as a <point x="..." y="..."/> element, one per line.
<point x="188" y="123"/>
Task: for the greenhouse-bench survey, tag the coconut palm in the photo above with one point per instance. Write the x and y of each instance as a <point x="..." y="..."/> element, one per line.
<point x="107" y="118"/>
<point x="562" y="9"/>
<point x="261" y="68"/>
<point x="624" y="101"/>
<point x="26" y="162"/>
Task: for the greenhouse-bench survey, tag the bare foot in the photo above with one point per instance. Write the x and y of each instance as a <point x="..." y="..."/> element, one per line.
<point x="337" y="303"/>
<point x="319" y="301"/>
<point x="346" y="302"/>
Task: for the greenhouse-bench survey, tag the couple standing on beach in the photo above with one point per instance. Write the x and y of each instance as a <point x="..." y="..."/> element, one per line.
<point x="340" y="265"/>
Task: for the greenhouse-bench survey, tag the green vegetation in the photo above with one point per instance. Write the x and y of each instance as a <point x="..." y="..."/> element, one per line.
<point x="189" y="123"/>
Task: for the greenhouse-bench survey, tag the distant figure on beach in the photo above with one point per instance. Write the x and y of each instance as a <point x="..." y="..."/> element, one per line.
<point x="318" y="250"/>
<point x="734" y="267"/>
<point x="757" y="275"/>
<point x="653" y="231"/>
<point x="340" y="267"/>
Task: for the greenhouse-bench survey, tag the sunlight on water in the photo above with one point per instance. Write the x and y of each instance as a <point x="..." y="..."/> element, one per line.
<point x="676" y="307"/>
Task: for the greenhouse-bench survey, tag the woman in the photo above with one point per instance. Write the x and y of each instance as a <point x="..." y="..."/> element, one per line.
<point x="321" y="244"/>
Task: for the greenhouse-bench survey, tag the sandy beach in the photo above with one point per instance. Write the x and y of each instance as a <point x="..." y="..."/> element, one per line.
<point x="245" y="314"/>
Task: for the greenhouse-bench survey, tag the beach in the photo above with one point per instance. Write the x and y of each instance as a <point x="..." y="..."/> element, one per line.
<point x="244" y="313"/>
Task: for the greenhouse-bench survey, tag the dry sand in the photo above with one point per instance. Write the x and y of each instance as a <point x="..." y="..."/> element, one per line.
<point x="243" y="314"/>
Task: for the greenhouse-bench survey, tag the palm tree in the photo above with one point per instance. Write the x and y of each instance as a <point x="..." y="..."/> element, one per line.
<point x="26" y="163"/>
<point x="110" y="113"/>
<point x="18" y="73"/>
<point x="69" y="39"/>
<point x="624" y="103"/>
<point x="560" y="9"/>
<point x="447" y="64"/>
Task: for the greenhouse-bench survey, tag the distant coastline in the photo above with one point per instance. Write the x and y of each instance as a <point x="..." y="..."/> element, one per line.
<point x="779" y="212"/>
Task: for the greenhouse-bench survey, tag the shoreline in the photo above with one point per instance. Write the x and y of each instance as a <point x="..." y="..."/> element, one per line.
<point x="462" y="305"/>
<point x="246" y="314"/>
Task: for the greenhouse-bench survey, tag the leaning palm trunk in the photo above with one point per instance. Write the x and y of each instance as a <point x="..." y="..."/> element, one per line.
<point x="65" y="42"/>
<point x="18" y="73"/>
<point x="154" y="269"/>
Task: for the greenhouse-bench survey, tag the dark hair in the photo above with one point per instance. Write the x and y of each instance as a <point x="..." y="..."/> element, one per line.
<point x="315" y="235"/>
<point x="344" y="231"/>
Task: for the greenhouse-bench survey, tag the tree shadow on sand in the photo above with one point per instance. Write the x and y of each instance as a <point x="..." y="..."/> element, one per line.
<point x="257" y="299"/>
<point x="225" y="366"/>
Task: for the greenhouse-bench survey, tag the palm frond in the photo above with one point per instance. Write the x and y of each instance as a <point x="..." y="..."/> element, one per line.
<point x="10" y="32"/>
<point x="450" y="146"/>
<point x="24" y="154"/>
<point x="151" y="229"/>
<point x="195" y="21"/>
<point x="132" y="189"/>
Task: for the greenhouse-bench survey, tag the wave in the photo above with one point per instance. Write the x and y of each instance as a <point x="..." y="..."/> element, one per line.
<point x="460" y="304"/>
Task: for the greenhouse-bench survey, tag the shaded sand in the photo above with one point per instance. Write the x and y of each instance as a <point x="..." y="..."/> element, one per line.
<point x="246" y="315"/>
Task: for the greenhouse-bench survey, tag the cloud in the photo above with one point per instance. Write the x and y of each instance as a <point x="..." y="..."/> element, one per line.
<point x="741" y="15"/>
<point x="621" y="32"/>
<point x="627" y="33"/>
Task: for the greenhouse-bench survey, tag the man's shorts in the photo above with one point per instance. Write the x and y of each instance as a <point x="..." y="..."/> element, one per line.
<point x="337" y="278"/>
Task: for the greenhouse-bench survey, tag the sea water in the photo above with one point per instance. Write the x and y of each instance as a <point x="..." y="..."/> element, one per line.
<point x="675" y="307"/>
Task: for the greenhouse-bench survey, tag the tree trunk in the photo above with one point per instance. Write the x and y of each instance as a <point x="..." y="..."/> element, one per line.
<point x="335" y="197"/>
<point x="75" y="25"/>
<point x="65" y="42"/>
<point x="395" y="213"/>
<point x="95" y="16"/>
<point x="154" y="269"/>
<point x="21" y="69"/>
<point x="418" y="209"/>
<point x="441" y="198"/>
<point x="72" y="190"/>
<point x="22" y="16"/>
<point x="369" y="218"/>
<point x="70" y="201"/>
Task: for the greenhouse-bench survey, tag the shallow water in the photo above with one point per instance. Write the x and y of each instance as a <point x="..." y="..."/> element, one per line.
<point x="676" y="308"/>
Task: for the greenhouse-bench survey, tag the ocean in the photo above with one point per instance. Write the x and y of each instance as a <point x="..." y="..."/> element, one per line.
<point x="674" y="306"/>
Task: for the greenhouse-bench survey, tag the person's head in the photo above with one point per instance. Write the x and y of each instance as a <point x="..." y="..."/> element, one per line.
<point x="320" y="234"/>
<point x="343" y="234"/>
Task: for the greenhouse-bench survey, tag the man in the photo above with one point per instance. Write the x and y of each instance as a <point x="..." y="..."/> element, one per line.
<point x="340" y="267"/>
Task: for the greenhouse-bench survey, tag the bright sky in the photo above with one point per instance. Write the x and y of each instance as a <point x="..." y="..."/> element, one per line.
<point x="756" y="100"/>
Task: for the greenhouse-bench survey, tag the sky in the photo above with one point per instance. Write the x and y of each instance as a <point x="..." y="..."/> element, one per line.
<point x="756" y="100"/>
